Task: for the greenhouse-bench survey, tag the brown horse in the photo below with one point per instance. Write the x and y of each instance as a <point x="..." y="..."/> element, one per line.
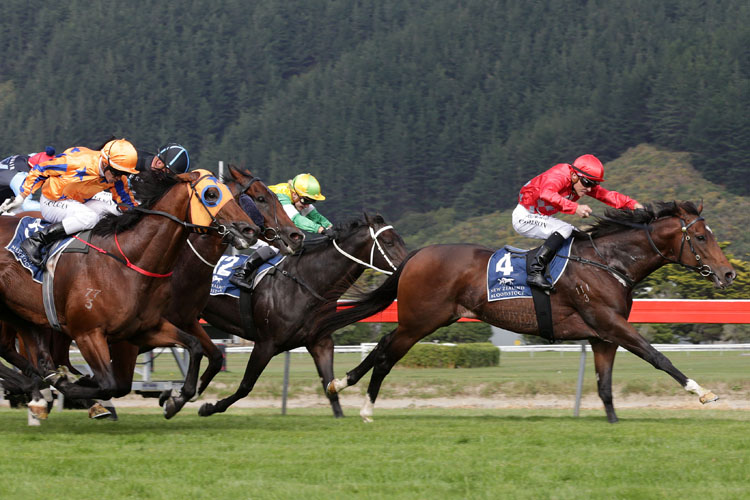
<point x="191" y="282"/>
<point x="284" y="303"/>
<point x="119" y="293"/>
<point x="591" y="301"/>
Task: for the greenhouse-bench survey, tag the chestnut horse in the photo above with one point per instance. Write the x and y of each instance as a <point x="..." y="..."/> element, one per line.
<point x="191" y="281"/>
<point x="591" y="301"/>
<point x="284" y="303"/>
<point x="119" y="292"/>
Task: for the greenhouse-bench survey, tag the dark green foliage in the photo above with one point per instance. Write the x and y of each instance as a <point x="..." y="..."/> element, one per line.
<point x="446" y="356"/>
<point x="396" y="106"/>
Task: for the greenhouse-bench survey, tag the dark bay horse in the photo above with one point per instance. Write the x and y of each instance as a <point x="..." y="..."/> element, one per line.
<point x="119" y="292"/>
<point x="284" y="303"/>
<point x="592" y="299"/>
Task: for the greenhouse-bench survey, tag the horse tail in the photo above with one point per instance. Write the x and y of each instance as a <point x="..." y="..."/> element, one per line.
<point x="365" y="306"/>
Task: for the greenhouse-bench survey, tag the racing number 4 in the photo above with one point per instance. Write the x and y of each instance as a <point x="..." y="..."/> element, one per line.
<point x="504" y="265"/>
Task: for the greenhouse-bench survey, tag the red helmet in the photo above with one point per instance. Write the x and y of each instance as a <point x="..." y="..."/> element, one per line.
<point x="590" y="167"/>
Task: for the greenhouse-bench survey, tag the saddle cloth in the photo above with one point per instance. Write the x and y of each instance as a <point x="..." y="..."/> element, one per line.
<point x="225" y="268"/>
<point x="506" y="272"/>
<point x="25" y="228"/>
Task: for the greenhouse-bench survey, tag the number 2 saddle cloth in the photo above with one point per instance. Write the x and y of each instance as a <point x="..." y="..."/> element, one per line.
<point x="224" y="269"/>
<point x="506" y="271"/>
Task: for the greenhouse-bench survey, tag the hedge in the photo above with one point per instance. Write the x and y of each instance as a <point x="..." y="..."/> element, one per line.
<point x="451" y="356"/>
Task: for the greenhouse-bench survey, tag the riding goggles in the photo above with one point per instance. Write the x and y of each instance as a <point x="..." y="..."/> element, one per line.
<point x="588" y="183"/>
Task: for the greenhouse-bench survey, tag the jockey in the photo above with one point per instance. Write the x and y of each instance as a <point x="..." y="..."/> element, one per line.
<point x="69" y="183"/>
<point x="13" y="171"/>
<point x="558" y="190"/>
<point x="296" y="196"/>
<point x="172" y="156"/>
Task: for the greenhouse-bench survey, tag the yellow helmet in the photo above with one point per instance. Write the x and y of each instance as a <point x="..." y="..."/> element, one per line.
<point x="121" y="155"/>
<point x="307" y="186"/>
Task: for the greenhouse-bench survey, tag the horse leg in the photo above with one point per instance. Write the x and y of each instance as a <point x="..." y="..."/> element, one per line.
<point x="389" y="350"/>
<point x="604" y="359"/>
<point x="95" y="350"/>
<point x="322" y="353"/>
<point x="167" y="335"/>
<point x="355" y="374"/>
<point x="213" y="354"/>
<point x="259" y="358"/>
<point x="627" y="336"/>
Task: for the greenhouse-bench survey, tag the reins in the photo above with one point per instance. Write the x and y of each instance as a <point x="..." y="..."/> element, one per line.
<point x="220" y="229"/>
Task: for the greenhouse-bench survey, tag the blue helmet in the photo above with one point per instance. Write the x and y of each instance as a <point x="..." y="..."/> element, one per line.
<point x="175" y="158"/>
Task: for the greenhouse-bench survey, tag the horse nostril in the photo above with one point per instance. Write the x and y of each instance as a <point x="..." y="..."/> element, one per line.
<point x="730" y="276"/>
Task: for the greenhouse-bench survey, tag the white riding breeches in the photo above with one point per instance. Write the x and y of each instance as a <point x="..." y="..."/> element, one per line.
<point x="74" y="215"/>
<point x="538" y="226"/>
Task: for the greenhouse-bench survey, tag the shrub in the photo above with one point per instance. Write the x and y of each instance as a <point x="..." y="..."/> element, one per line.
<point x="451" y="356"/>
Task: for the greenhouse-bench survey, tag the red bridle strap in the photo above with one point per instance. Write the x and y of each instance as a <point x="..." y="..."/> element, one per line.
<point x="127" y="261"/>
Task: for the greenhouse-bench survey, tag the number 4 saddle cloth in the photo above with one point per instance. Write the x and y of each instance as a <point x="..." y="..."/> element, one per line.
<point x="225" y="268"/>
<point x="506" y="272"/>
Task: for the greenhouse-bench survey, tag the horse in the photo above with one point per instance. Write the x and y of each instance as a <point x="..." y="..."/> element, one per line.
<point x="190" y="288"/>
<point x="118" y="291"/>
<point x="283" y="302"/>
<point x="192" y="278"/>
<point x="591" y="301"/>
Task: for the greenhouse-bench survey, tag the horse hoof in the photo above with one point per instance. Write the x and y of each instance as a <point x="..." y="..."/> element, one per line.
<point x="206" y="410"/>
<point x="170" y="408"/>
<point x="366" y="419"/>
<point x="38" y="409"/>
<point x="709" y="397"/>
<point x="98" y="411"/>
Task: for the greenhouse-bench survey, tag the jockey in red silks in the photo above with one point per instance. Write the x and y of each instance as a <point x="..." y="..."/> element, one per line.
<point x="558" y="190"/>
<point x="70" y="183"/>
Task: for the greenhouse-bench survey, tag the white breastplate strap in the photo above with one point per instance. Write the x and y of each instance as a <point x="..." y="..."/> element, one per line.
<point x="375" y="243"/>
<point x="199" y="255"/>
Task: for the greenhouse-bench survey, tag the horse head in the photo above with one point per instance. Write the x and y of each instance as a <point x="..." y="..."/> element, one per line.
<point x="371" y="242"/>
<point x="278" y="228"/>
<point x="688" y="241"/>
<point x="212" y="207"/>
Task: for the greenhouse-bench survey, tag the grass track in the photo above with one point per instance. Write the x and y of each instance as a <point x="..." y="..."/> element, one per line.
<point x="422" y="454"/>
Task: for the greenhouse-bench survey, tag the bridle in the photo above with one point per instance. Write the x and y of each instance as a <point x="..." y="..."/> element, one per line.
<point x="376" y="243"/>
<point x="704" y="269"/>
<point x="271" y="234"/>
<point x="215" y="226"/>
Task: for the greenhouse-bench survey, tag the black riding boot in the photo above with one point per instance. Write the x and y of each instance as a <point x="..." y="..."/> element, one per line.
<point x="538" y="264"/>
<point x="242" y="275"/>
<point x="33" y="244"/>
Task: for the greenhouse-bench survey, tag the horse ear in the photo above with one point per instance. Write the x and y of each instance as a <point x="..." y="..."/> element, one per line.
<point x="236" y="173"/>
<point x="700" y="207"/>
<point x="191" y="176"/>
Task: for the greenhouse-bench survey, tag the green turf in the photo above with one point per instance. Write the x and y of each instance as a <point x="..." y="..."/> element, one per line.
<point x="425" y="454"/>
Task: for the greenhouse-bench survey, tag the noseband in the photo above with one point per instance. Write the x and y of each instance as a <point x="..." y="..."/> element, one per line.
<point x="376" y="243"/>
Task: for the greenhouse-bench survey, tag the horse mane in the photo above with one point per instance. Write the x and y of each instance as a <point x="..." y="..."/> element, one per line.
<point x="343" y="230"/>
<point x="623" y="219"/>
<point x="149" y="187"/>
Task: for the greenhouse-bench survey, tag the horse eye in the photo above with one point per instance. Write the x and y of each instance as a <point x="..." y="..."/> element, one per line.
<point x="260" y="199"/>
<point x="212" y="194"/>
<point x="700" y="237"/>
